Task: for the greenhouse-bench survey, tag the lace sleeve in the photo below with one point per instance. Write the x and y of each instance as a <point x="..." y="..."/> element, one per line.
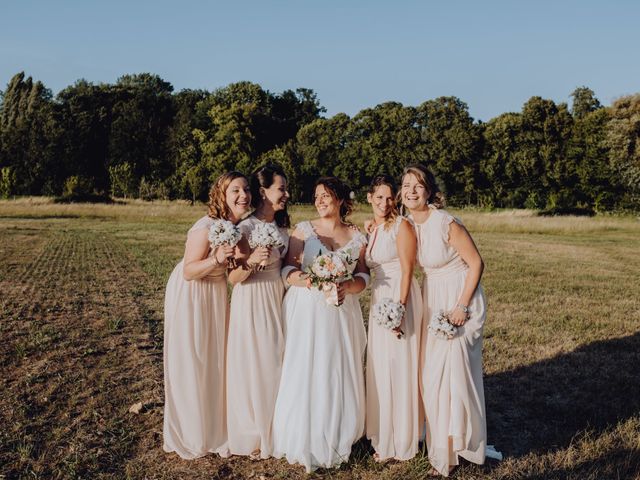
<point x="359" y="240"/>
<point x="305" y="228"/>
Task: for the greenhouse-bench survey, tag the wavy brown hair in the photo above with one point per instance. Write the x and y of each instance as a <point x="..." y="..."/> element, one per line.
<point x="387" y="180"/>
<point x="264" y="177"/>
<point x="434" y="196"/>
<point x="339" y="191"/>
<point x="217" y="195"/>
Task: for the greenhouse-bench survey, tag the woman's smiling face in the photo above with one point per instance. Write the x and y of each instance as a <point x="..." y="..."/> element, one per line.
<point x="326" y="204"/>
<point x="238" y="197"/>
<point x="414" y="195"/>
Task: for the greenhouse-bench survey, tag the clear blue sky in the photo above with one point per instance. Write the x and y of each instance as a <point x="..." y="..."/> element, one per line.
<point x="494" y="55"/>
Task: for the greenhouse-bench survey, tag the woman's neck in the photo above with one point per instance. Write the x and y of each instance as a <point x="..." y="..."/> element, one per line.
<point x="233" y="218"/>
<point x="420" y="215"/>
<point x="330" y="223"/>
<point x="265" y="213"/>
<point x="379" y="220"/>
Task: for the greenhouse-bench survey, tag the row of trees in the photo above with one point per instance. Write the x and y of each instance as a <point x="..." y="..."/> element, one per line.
<point x="139" y="138"/>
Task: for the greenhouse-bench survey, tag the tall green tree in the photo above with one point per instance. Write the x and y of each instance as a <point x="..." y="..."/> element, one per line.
<point x="84" y="113"/>
<point x="452" y="146"/>
<point x="29" y="132"/>
<point x="322" y="147"/>
<point x="500" y="185"/>
<point x="584" y="102"/>
<point x="542" y="162"/>
<point x="623" y="142"/>
<point x="141" y="119"/>
<point x="383" y="139"/>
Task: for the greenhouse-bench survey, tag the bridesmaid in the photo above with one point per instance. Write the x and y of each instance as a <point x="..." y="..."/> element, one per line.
<point x="452" y="388"/>
<point x="195" y="326"/>
<point x="256" y="343"/>
<point x="393" y="398"/>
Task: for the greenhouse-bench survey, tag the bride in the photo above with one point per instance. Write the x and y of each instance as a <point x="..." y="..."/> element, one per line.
<point x="320" y="406"/>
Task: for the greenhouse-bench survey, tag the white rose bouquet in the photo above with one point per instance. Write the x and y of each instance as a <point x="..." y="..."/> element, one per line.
<point x="326" y="271"/>
<point x="389" y="314"/>
<point x="224" y="232"/>
<point x="441" y="328"/>
<point x="265" y="235"/>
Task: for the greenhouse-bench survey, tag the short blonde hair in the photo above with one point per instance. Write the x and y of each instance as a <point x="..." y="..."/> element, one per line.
<point x="217" y="195"/>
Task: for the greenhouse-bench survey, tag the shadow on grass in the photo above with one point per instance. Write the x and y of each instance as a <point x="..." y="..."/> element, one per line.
<point x="541" y="407"/>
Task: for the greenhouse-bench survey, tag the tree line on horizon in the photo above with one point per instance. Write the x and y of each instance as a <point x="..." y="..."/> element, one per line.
<point x="139" y="138"/>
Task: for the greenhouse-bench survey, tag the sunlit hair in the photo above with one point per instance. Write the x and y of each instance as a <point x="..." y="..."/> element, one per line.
<point x="434" y="196"/>
<point x="264" y="177"/>
<point x="340" y="191"/>
<point x="387" y="180"/>
<point x="218" y="207"/>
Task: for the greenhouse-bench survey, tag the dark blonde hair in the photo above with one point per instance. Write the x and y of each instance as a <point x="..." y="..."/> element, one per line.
<point x="217" y="195"/>
<point x="387" y="180"/>
<point x="339" y="191"/>
<point x="264" y="177"/>
<point x="434" y="196"/>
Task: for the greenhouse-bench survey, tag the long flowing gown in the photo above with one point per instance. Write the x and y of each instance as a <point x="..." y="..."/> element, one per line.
<point x="452" y="387"/>
<point x="254" y="352"/>
<point x="195" y="325"/>
<point x="321" y="401"/>
<point x="393" y="419"/>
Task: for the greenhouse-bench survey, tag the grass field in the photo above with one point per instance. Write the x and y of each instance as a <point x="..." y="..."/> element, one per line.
<point x="81" y="324"/>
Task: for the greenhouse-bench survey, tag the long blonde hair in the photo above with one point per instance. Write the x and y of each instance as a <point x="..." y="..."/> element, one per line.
<point x="217" y="195"/>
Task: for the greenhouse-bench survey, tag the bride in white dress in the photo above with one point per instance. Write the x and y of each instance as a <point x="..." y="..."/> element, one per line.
<point x="320" y="406"/>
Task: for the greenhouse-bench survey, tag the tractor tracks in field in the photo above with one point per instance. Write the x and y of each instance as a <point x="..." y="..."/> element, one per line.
<point x="81" y="343"/>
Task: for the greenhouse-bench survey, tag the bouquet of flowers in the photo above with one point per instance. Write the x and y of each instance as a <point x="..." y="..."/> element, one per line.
<point x="265" y="235"/>
<point x="224" y="232"/>
<point x="441" y="327"/>
<point x="389" y="314"/>
<point x="326" y="271"/>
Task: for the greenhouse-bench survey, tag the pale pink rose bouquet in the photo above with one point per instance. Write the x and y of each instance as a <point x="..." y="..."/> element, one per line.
<point x="326" y="271"/>
<point x="224" y="232"/>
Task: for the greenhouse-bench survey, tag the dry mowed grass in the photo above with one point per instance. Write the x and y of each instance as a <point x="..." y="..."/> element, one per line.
<point x="81" y="324"/>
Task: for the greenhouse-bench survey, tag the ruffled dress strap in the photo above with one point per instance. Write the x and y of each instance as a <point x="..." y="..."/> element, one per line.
<point x="445" y="224"/>
<point x="306" y="229"/>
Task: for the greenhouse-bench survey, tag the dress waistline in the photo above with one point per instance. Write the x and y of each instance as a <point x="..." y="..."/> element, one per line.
<point x="454" y="266"/>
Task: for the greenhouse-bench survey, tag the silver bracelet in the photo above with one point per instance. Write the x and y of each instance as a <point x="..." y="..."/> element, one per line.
<point x="464" y="308"/>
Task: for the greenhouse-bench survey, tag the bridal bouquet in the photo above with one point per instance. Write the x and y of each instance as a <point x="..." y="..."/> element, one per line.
<point x="328" y="269"/>
<point x="224" y="232"/>
<point x="265" y="235"/>
<point x="441" y="327"/>
<point x="389" y="314"/>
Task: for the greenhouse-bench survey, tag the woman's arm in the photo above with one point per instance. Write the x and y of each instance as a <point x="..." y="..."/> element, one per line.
<point x="199" y="260"/>
<point x="247" y="260"/>
<point x="462" y="242"/>
<point x="357" y="284"/>
<point x="296" y="277"/>
<point x="407" y="246"/>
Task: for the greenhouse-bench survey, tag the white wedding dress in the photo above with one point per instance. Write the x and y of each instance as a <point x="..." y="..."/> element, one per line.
<point x="320" y="406"/>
